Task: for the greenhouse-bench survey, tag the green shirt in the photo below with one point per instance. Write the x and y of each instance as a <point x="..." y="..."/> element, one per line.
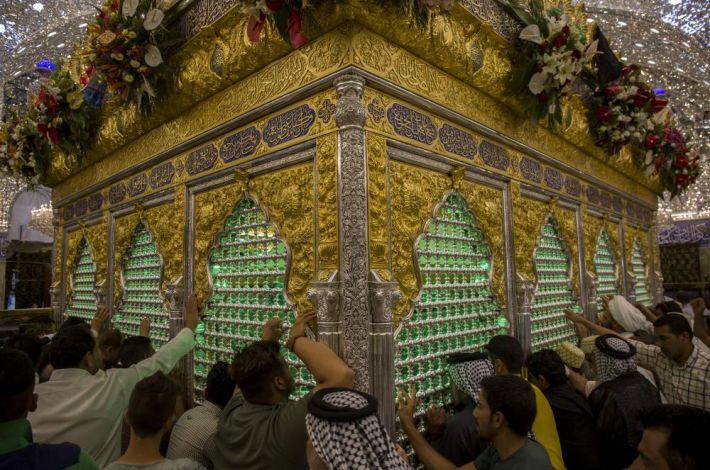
<point x="262" y="437"/>
<point x="532" y="456"/>
<point x="17" y="435"/>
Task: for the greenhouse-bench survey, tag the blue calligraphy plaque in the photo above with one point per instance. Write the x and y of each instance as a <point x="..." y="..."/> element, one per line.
<point x="117" y="193"/>
<point x="201" y="159"/>
<point x="592" y="194"/>
<point x="553" y="178"/>
<point x="617" y="204"/>
<point x="411" y="124"/>
<point x="137" y="185"/>
<point x="241" y="144"/>
<point x="494" y="155"/>
<point x="531" y="169"/>
<point x="162" y="175"/>
<point x="96" y="200"/>
<point x="606" y="199"/>
<point x="573" y="186"/>
<point x="290" y="125"/>
<point x="80" y="207"/>
<point x="457" y="141"/>
<point x="68" y="212"/>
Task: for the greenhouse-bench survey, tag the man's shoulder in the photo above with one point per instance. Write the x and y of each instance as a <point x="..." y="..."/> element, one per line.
<point x="45" y="456"/>
<point x="534" y="452"/>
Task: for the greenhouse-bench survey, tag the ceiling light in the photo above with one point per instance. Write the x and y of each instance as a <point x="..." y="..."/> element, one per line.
<point x="59" y="46"/>
<point x="621" y="23"/>
<point x="51" y="34"/>
<point x="638" y="44"/>
<point x="2" y="28"/>
<point x="82" y="25"/>
<point x="654" y="30"/>
<point x="37" y="6"/>
<point x="675" y="2"/>
<point x="20" y="50"/>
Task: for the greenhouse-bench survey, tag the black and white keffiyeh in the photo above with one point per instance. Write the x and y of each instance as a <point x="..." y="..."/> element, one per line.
<point x="346" y="433"/>
<point x="613" y="357"/>
<point x="467" y="371"/>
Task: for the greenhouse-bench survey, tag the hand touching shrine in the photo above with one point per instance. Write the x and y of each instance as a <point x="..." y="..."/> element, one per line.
<point x="406" y="405"/>
<point x="436" y="419"/>
<point x="273" y="330"/>
<point x="100" y="318"/>
<point x="298" y="330"/>
<point x="144" y="329"/>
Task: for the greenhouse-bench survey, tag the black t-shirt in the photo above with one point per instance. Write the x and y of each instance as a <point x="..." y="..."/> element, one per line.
<point x="460" y="443"/>
<point x="532" y="456"/>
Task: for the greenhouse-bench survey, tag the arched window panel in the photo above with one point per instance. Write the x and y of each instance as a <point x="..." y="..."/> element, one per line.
<point x="638" y="267"/>
<point x="605" y="266"/>
<point x="82" y="303"/>
<point x="248" y="272"/>
<point x="553" y="292"/>
<point x="140" y="278"/>
<point x="455" y="311"/>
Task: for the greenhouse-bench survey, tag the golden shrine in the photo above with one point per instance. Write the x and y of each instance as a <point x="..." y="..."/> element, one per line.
<point x="377" y="174"/>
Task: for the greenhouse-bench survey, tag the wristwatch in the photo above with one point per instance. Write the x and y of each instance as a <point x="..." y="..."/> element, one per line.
<point x="291" y="342"/>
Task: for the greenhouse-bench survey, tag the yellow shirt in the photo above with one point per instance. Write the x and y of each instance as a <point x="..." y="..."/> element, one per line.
<point x="546" y="431"/>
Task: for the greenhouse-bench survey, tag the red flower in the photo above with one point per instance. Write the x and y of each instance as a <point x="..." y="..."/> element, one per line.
<point x="40" y="97"/>
<point x="651" y="140"/>
<point x="658" y="104"/>
<point x="604" y="114"/>
<point x="274" y="5"/>
<point x="543" y="46"/>
<point x="560" y="40"/>
<point x="542" y="97"/>
<point x="641" y="98"/>
<point x="626" y="71"/>
<point x="681" y="161"/>
<point x="565" y="30"/>
<point x="681" y="179"/>
<point x="612" y="90"/>
<point x="576" y="54"/>
<point x="53" y="135"/>
<point x="255" y="26"/>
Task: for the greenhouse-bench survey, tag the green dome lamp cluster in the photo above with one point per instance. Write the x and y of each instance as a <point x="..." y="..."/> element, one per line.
<point x="83" y="300"/>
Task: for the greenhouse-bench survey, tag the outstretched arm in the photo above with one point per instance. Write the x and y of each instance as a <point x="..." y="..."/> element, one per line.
<point x="700" y="328"/>
<point x="578" y="319"/>
<point x="426" y="453"/>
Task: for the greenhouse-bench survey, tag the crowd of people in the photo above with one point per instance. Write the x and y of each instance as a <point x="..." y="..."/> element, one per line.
<point x="634" y="392"/>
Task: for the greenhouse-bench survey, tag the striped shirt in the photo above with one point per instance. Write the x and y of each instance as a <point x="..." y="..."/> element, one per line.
<point x="193" y="434"/>
<point x="687" y="384"/>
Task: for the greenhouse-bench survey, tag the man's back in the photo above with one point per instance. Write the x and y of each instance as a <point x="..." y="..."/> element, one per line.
<point x="262" y="437"/>
<point x="17" y="451"/>
<point x="575" y="426"/>
<point x="165" y="464"/>
<point x="545" y="429"/>
<point x="532" y="456"/>
<point x="193" y="434"/>
<point x="616" y="405"/>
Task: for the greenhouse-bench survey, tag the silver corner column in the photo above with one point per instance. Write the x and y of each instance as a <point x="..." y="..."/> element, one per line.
<point x="592" y="284"/>
<point x="525" y="293"/>
<point x="631" y="286"/>
<point x="660" y="293"/>
<point x="325" y="296"/>
<point x="175" y="297"/>
<point x="55" y="293"/>
<point x="350" y="116"/>
<point x="384" y="296"/>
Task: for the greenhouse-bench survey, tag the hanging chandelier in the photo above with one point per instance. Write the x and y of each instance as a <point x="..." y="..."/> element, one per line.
<point x="42" y="218"/>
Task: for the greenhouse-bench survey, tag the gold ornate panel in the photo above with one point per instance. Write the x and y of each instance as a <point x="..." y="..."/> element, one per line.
<point x="486" y="203"/>
<point x="287" y="196"/>
<point x="410" y="209"/>
<point x="97" y="236"/>
<point x="566" y="218"/>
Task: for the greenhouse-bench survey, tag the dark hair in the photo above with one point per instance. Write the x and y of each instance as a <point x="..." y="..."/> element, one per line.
<point x="668" y="307"/>
<point x="72" y="321"/>
<point x="514" y="398"/>
<point x="134" y="350"/>
<point x="111" y="338"/>
<point x="507" y="349"/>
<point x="17" y="376"/>
<point x="675" y="322"/>
<point x="29" y="344"/>
<point x="684" y="297"/>
<point x="152" y="403"/>
<point x="689" y="428"/>
<point x="220" y="385"/>
<point x="69" y="346"/>
<point x="549" y="364"/>
<point x="255" y="367"/>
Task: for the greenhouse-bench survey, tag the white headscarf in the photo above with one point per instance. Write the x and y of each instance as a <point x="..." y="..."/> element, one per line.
<point x="628" y="316"/>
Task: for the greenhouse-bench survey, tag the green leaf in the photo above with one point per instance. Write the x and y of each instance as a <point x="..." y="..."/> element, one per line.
<point x="281" y="21"/>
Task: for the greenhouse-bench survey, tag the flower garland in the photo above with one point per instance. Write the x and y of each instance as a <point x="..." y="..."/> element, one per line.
<point x="625" y="110"/>
<point x="555" y="51"/>
<point x="125" y="48"/>
<point x="668" y="154"/>
<point x="58" y="117"/>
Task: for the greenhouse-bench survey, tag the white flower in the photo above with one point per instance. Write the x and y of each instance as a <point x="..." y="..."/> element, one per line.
<point x="129" y="8"/>
<point x="649" y="157"/>
<point x="153" y="19"/>
<point x="537" y="83"/>
<point x="566" y="72"/>
<point x="531" y="33"/>
<point x="152" y="56"/>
